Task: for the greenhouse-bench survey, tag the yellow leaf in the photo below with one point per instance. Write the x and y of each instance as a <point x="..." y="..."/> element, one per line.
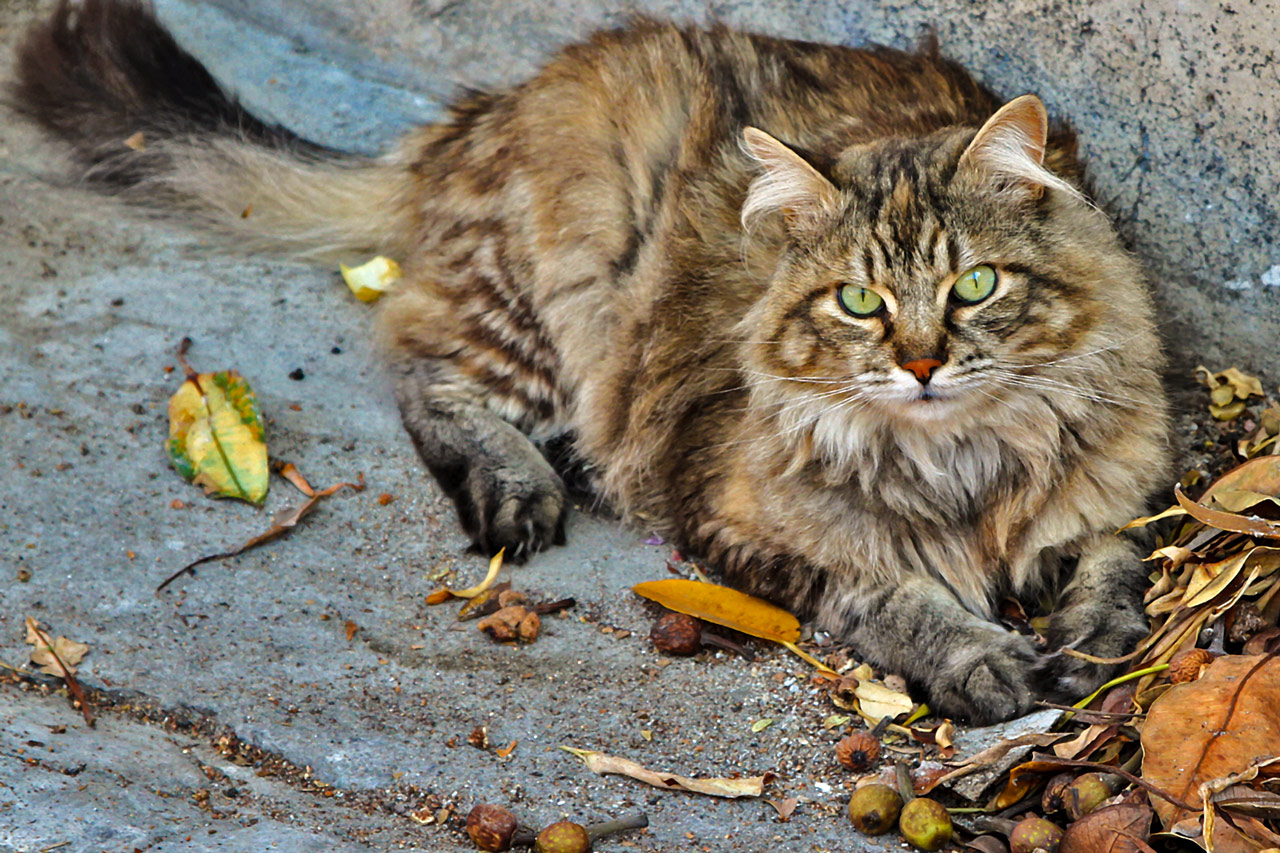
<point x="761" y="724"/>
<point x="216" y="436"/>
<point x="1242" y="384"/>
<point x="371" y="279"/>
<point x="1171" y="512"/>
<point x="878" y="701"/>
<point x="723" y="606"/>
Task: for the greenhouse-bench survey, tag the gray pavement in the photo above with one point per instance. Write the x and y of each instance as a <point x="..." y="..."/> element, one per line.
<point x="255" y="650"/>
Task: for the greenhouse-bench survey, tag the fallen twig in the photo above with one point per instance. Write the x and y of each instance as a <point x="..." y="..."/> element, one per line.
<point x="284" y="521"/>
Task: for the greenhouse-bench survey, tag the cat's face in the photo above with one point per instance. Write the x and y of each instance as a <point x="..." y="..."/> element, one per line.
<point x="929" y="289"/>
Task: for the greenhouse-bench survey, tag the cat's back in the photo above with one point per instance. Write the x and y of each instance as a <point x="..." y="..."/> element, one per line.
<point x="719" y="78"/>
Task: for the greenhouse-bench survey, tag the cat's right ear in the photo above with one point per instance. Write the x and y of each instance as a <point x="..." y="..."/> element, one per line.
<point x="788" y="184"/>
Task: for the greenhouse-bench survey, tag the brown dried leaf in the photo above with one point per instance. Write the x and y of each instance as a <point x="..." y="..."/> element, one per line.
<point x="1211" y="728"/>
<point x="785" y="808"/>
<point x="1251" y="525"/>
<point x="992" y="755"/>
<point x="602" y="763"/>
<point x="1122" y="828"/>
<point x="68" y="651"/>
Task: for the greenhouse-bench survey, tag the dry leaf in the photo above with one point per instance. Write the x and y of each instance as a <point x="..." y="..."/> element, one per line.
<point x="1250" y="524"/>
<point x="495" y="565"/>
<point x="993" y="754"/>
<point x="1171" y="512"/>
<point x="602" y="763"/>
<point x="216" y="436"/>
<point x="877" y="701"/>
<point x="785" y="808"/>
<point x="1122" y="828"/>
<point x="723" y="606"/>
<point x="68" y="651"/>
<point x="1211" y="728"/>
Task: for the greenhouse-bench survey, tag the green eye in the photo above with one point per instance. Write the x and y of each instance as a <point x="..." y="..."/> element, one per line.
<point x="859" y="301"/>
<point x="975" y="285"/>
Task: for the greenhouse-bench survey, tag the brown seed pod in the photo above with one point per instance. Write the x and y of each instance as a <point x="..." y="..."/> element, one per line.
<point x="508" y="597"/>
<point x="677" y="634"/>
<point x="858" y="751"/>
<point x="507" y="624"/>
<point x="1187" y="665"/>
<point x="491" y="827"/>
<point x="530" y="625"/>
<point x="1051" y="800"/>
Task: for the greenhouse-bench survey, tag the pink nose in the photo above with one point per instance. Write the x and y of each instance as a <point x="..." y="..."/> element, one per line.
<point x="922" y="367"/>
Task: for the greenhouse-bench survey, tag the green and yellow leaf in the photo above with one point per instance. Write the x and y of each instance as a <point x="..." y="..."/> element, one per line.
<point x="216" y="436"/>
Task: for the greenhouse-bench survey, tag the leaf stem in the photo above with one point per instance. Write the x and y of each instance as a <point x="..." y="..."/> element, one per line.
<point x="1129" y="676"/>
<point x="806" y="657"/>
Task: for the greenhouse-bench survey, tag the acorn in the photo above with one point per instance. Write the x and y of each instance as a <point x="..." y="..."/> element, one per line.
<point x="1085" y="794"/>
<point x="491" y="827"/>
<point x="1187" y="665"/>
<point x="874" y="808"/>
<point x="858" y="751"/>
<point x="677" y="634"/>
<point x="925" y="824"/>
<point x="563" y="837"/>
<point x="1035" y="833"/>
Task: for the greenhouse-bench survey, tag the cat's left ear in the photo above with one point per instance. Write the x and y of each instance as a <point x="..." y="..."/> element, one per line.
<point x="1011" y="147"/>
<point x="789" y="184"/>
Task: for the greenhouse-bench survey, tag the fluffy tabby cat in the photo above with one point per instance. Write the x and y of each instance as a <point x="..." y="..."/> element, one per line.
<point x="833" y="319"/>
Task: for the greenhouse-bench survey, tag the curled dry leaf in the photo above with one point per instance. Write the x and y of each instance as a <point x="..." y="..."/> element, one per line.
<point x="216" y="436"/>
<point x="1211" y="728"/>
<point x="785" y="808"/>
<point x="69" y="652"/>
<point x="602" y="763"/>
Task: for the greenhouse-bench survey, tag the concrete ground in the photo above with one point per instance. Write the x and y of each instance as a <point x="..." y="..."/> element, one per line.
<point x="238" y="710"/>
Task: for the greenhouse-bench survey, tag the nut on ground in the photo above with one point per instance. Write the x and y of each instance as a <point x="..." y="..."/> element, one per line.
<point x="858" y="751"/>
<point x="677" y="634"/>
<point x="1187" y="665"/>
<point x="491" y="827"/>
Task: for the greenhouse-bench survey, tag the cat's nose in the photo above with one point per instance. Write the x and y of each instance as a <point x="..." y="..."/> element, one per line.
<point x="921" y="367"/>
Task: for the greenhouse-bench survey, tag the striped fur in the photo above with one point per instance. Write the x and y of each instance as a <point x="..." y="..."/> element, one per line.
<point x="578" y="273"/>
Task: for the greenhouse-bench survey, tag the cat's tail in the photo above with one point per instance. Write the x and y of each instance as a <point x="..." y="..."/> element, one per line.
<point x="146" y="121"/>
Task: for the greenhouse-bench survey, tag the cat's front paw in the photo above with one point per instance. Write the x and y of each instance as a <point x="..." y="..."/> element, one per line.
<point x="1104" y="630"/>
<point x="985" y="678"/>
<point x="521" y="508"/>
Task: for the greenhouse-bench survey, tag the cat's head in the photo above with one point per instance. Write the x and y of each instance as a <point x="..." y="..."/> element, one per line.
<point x="936" y="282"/>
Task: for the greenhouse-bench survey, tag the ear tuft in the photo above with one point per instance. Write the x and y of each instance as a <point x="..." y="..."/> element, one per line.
<point x="1011" y="145"/>
<point x="788" y="184"/>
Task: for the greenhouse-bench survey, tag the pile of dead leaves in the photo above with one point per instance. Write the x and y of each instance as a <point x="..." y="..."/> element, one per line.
<point x="1183" y="751"/>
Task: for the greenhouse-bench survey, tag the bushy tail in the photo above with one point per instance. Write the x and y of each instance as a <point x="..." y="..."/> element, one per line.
<point x="148" y="122"/>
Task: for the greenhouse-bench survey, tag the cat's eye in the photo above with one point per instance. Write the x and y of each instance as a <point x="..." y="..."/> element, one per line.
<point x="859" y="301"/>
<point x="975" y="285"/>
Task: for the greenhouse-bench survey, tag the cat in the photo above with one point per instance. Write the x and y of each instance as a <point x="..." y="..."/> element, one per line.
<point x="834" y="320"/>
